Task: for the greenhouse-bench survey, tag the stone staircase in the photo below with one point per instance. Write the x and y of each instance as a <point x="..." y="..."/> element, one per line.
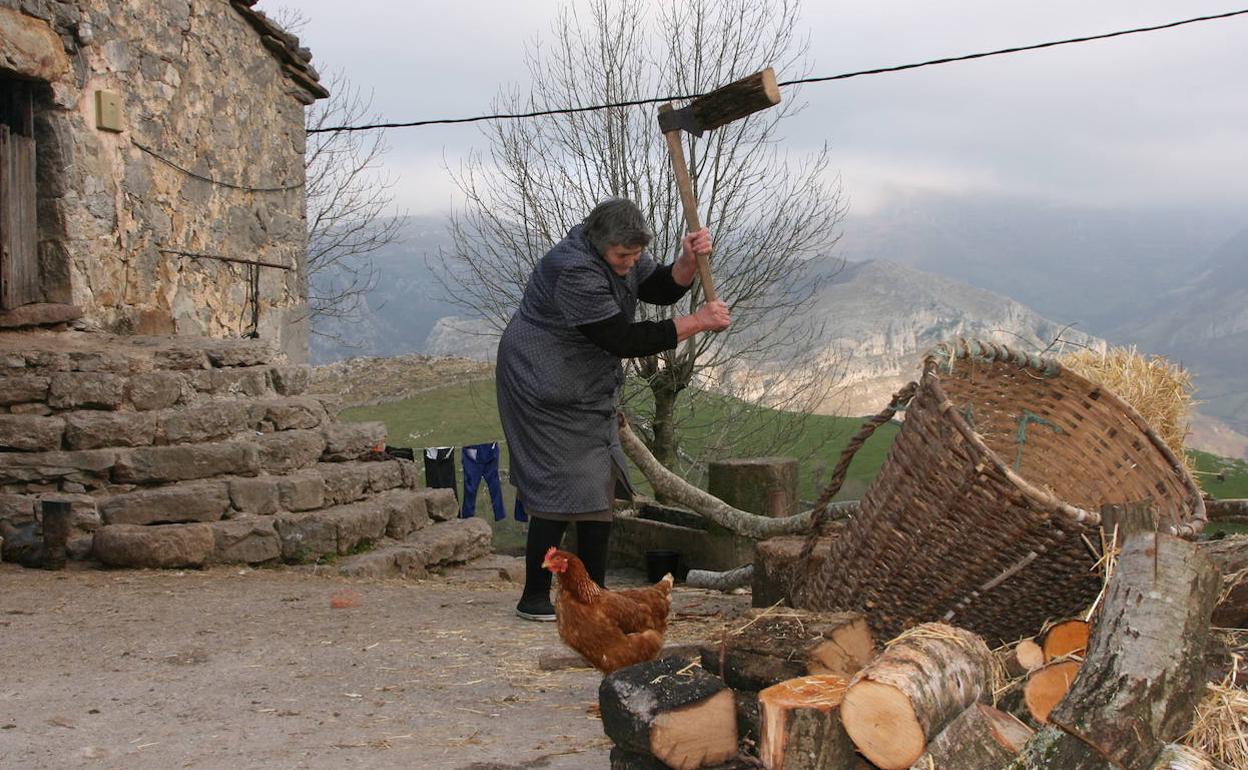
<point x="184" y="452"/>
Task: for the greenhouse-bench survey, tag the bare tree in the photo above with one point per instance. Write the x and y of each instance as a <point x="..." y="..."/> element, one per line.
<point x="349" y="205"/>
<point x="771" y="215"/>
<point x="349" y="198"/>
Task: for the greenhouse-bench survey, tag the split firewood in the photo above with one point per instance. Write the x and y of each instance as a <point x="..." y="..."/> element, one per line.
<point x="671" y="710"/>
<point x="1229" y="553"/>
<point x="1066" y="637"/>
<point x="1021" y="658"/>
<point x="801" y="725"/>
<point x="906" y="696"/>
<point x="783" y="644"/>
<point x="980" y="738"/>
<point x="1046" y="686"/>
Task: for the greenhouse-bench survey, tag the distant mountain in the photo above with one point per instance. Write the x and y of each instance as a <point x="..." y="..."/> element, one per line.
<point x="884" y="316"/>
<point x="396" y="316"/>
<point x="1083" y="265"/>
<point x="1203" y="323"/>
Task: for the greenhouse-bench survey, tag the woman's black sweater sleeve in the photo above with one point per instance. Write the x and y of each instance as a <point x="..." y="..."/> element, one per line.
<point x="630" y="340"/>
<point x="660" y="288"/>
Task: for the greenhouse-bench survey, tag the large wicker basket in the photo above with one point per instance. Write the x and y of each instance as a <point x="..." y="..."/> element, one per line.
<point x="986" y="511"/>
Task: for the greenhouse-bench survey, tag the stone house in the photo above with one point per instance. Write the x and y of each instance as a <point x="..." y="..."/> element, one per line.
<point x="153" y="324"/>
<point x="153" y="156"/>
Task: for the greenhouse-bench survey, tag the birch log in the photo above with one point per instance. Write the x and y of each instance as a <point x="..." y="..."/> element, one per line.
<point x="980" y="738"/>
<point x="906" y="696"/>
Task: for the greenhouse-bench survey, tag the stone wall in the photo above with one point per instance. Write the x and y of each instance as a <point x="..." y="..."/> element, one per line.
<point x="181" y="452"/>
<point x="201" y="90"/>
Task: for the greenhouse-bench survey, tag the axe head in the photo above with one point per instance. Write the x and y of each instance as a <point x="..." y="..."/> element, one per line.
<point x="723" y="105"/>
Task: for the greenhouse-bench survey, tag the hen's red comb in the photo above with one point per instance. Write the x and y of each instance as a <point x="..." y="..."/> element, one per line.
<point x="551" y="551"/>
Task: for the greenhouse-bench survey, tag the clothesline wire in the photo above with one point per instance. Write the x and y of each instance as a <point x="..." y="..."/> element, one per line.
<point x="822" y="79"/>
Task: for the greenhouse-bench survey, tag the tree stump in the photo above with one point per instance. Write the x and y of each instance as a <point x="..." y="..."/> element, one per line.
<point x="801" y="725"/>
<point x="907" y="695"/>
<point x="670" y="710"/>
<point x="980" y="738"/>
<point x="763" y="485"/>
<point x="777" y="563"/>
<point x="785" y="644"/>
<point x="1144" y="672"/>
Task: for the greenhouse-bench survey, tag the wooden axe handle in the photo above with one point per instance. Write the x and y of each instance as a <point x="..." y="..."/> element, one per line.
<point x="690" y="205"/>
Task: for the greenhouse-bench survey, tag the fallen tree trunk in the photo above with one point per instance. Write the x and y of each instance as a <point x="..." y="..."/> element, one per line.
<point x="1235" y="511"/>
<point x="672" y="487"/>
<point x="670" y="710"/>
<point x="980" y="738"/>
<point x="907" y="695"/>
<point x="801" y="725"/>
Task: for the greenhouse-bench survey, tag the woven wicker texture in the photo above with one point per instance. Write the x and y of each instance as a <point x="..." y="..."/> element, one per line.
<point x="985" y="513"/>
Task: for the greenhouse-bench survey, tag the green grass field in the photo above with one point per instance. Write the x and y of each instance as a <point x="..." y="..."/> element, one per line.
<point x="466" y="414"/>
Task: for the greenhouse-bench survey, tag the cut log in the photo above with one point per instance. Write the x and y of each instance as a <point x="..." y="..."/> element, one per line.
<point x="801" y="725"/>
<point x="1021" y="659"/>
<point x="622" y="759"/>
<point x="1176" y="756"/>
<point x="1144" y="671"/>
<point x="777" y="565"/>
<point x="1067" y="637"/>
<point x="785" y="644"/>
<point x="1046" y="686"/>
<point x="907" y="695"/>
<point x="980" y="738"/>
<point x="1230" y="553"/>
<point x="1232" y="609"/>
<point x="673" y="711"/>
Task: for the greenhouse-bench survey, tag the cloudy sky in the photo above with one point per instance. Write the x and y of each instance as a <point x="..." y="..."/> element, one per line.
<point x="1156" y="119"/>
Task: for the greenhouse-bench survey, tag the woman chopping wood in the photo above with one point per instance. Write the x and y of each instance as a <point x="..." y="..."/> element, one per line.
<point x="559" y="373"/>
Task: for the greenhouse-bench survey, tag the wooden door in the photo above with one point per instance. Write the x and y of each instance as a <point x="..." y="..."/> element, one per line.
<point x="19" y="263"/>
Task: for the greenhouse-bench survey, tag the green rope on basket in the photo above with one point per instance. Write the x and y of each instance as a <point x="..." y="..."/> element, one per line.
<point x="1027" y="418"/>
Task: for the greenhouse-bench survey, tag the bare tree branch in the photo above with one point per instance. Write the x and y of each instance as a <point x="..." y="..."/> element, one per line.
<point x="771" y="216"/>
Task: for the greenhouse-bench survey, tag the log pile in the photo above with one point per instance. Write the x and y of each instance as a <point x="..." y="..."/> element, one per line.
<point x="810" y="691"/>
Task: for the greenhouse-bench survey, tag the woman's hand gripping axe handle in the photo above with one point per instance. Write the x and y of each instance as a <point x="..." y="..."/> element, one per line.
<point x="709" y="111"/>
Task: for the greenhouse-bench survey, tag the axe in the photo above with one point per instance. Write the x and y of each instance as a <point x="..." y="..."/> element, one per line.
<point x="709" y="111"/>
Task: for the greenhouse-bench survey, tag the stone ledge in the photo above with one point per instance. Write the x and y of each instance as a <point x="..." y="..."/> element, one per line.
<point x="29" y="433"/>
<point x="39" y="313"/>
<point x="164" y="546"/>
<point x="246" y="540"/>
<point x="177" y="503"/>
<point x="439" y="544"/>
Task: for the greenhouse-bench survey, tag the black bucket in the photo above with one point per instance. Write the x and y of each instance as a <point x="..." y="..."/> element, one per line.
<point x="660" y="563"/>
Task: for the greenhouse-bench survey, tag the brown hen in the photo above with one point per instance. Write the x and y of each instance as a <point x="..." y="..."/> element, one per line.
<point x="610" y="629"/>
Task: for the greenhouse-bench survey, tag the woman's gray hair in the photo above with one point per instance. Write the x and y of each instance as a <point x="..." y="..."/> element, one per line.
<point x="616" y="222"/>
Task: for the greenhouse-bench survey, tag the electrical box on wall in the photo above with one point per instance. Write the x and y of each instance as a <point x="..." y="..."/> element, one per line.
<point x="107" y="111"/>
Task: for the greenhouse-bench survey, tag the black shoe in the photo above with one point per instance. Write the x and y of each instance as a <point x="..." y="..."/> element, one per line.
<point x="536" y="608"/>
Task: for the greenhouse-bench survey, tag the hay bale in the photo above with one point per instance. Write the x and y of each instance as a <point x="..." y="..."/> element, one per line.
<point x="1161" y="391"/>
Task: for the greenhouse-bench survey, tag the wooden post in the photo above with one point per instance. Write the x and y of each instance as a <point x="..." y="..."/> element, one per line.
<point x="784" y="644"/>
<point x="763" y="485"/>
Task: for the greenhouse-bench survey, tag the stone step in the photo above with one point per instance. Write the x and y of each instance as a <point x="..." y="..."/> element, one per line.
<point x="439" y="544"/>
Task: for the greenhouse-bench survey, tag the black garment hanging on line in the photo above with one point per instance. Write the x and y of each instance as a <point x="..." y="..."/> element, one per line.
<point x="440" y="468"/>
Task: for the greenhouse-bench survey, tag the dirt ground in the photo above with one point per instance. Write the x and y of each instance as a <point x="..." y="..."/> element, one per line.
<point x="243" y="668"/>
